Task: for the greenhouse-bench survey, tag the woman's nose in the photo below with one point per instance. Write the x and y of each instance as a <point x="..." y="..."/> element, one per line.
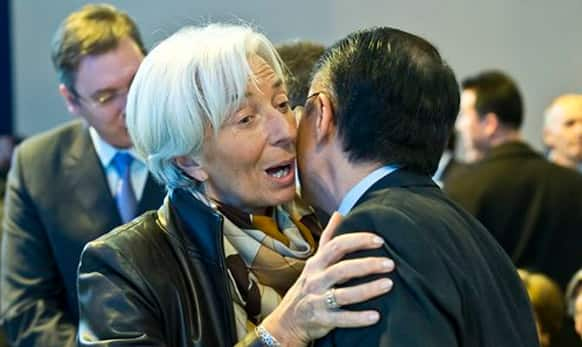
<point x="282" y="128"/>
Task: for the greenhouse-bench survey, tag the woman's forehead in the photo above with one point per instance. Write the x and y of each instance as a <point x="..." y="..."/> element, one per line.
<point x="261" y="70"/>
<point x="263" y="78"/>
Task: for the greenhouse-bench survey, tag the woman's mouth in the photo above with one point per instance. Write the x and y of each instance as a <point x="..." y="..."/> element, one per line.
<point x="283" y="172"/>
<point x="279" y="171"/>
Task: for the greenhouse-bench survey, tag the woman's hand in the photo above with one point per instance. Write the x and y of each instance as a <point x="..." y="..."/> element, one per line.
<point x="310" y="309"/>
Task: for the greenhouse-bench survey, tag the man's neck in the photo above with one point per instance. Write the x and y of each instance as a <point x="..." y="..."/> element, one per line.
<point x="343" y="175"/>
<point x="501" y="137"/>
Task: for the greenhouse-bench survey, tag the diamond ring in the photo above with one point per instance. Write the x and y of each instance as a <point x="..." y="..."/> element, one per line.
<point x="330" y="299"/>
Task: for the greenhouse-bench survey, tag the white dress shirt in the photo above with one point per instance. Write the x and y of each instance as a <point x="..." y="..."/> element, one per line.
<point x="106" y="152"/>
<point x="358" y="190"/>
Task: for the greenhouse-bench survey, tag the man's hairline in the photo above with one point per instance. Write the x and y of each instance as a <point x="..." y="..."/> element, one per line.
<point x="73" y="88"/>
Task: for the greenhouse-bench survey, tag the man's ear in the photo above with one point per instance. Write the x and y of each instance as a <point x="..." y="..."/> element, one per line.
<point x="490" y="123"/>
<point x="325" y="123"/>
<point x="70" y="99"/>
<point x="191" y="167"/>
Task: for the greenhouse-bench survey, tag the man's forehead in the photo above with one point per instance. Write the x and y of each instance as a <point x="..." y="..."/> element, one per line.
<point x="110" y="69"/>
<point x="573" y="110"/>
<point x="569" y="104"/>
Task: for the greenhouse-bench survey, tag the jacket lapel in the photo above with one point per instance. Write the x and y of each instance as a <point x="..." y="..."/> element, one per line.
<point x="86" y="179"/>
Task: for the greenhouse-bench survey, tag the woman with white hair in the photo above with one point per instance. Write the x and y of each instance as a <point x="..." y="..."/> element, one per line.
<point x="224" y="261"/>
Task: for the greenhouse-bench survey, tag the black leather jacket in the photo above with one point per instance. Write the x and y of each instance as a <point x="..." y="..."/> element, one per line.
<point x="159" y="281"/>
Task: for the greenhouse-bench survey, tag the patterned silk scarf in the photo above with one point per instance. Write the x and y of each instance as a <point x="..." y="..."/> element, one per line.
<point x="265" y="255"/>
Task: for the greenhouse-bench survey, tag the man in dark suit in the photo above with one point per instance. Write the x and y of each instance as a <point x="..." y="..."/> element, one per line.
<point x="74" y="183"/>
<point x="532" y="207"/>
<point x="380" y="109"/>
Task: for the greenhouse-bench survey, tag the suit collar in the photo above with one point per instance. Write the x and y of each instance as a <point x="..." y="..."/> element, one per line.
<point x="85" y="177"/>
<point x="510" y="150"/>
<point x="106" y="152"/>
<point x="401" y="178"/>
<point x="360" y="188"/>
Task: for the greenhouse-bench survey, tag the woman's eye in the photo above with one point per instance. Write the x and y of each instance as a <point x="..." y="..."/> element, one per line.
<point x="246" y="119"/>
<point x="284" y="106"/>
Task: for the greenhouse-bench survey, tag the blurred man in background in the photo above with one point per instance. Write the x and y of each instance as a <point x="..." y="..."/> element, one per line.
<point x="74" y="183"/>
<point x="563" y="131"/>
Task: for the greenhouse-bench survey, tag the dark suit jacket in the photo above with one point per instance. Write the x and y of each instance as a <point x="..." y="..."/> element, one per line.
<point x="532" y="207"/>
<point x="57" y="200"/>
<point x="453" y="284"/>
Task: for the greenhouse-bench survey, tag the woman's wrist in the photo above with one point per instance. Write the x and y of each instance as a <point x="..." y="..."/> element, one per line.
<point x="266" y="338"/>
<point x="272" y="324"/>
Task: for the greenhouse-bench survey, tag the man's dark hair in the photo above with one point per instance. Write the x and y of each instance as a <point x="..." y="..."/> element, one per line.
<point x="497" y="93"/>
<point x="94" y="29"/>
<point x="394" y="97"/>
<point x="299" y="58"/>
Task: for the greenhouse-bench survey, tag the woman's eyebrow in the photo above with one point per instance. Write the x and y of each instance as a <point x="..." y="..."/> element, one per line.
<point x="276" y="85"/>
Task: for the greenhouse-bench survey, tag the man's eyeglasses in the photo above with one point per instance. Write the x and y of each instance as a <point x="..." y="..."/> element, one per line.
<point x="104" y="98"/>
<point x="313" y="95"/>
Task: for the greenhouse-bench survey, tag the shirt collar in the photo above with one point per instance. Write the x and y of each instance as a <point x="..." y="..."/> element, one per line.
<point x="357" y="191"/>
<point x="105" y="151"/>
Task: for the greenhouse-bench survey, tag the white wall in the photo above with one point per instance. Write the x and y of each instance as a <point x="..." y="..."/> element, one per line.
<point x="538" y="42"/>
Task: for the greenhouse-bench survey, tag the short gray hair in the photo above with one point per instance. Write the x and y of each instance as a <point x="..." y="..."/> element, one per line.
<point x="192" y="81"/>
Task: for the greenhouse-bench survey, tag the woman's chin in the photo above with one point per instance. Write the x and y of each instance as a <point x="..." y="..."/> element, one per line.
<point x="283" y="196"/>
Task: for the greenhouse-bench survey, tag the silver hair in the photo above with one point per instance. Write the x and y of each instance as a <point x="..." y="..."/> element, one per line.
<point x="187" y="85"/>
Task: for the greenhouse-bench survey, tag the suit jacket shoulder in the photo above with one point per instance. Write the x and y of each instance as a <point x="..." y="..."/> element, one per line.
<point x="43" y="156"/>
<point x="54" y="140"/>
<point x="531" y="206"/>
<point x="453" y="285"/>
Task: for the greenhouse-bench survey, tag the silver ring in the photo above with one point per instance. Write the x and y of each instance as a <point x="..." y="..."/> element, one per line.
<point x="330" y="299"/>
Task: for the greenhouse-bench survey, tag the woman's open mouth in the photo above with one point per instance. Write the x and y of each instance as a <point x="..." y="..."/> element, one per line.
<point x="283" y="172"/>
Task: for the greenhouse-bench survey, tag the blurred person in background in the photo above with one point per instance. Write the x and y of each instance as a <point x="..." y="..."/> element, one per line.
<point x="299" y="58"/>
<point x="71" y="184"/>
<point x="531" y="206"/>
<point x="547" y="300"/>
<point x="574" y="301"/>
<point x="563" y="131"/>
